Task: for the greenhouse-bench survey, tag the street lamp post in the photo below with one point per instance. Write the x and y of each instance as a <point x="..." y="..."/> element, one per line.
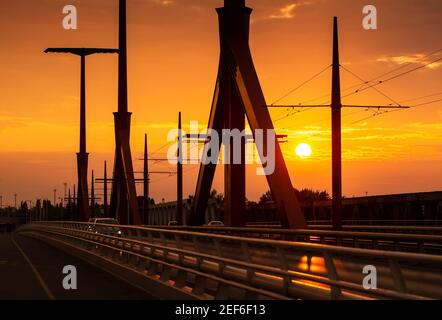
<point x="82" y="156"/>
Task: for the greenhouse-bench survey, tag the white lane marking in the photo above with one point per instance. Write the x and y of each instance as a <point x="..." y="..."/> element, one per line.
<point x="36" y="273"/>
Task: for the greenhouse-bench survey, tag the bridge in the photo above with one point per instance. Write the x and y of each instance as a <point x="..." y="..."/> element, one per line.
<point x="171" y="251"/>
<point x="250" y="263"/>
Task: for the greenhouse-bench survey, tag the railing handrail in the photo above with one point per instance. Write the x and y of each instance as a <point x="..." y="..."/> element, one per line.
<point x="272" y="271"/>
<point x="411" y="228"/>
<point x="308" y="232"/>
<point x="196" y="272"/>
<point x="382" y="227"/>
<point x="300" y="246"/>
<point x="379" y="220"/>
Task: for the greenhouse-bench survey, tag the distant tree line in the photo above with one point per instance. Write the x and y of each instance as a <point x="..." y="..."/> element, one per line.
<point x="303" y="195"/>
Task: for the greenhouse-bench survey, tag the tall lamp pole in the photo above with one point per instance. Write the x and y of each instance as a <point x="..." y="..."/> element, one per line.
<point x="84" y="210"/>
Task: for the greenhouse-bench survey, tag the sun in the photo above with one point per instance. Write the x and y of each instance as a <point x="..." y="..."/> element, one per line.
<point x="303" y="150"/>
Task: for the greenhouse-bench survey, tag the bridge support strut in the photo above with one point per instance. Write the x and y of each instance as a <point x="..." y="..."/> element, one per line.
<point x="124" y="203"/>
<point x="238" y="94"/>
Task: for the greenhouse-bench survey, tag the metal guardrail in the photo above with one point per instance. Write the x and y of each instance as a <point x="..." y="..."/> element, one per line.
<point x="373" y="240"/>
<point x="6" y="228"/>
<point x="212" y="266"/>
<point x="390" y="229"/>
<point x="379" y="222"/>
<point x="436" y="229"/>
<point x="3" y="228"/>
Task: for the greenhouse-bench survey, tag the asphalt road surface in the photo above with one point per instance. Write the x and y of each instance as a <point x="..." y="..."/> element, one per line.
<point x="33" y="270"/>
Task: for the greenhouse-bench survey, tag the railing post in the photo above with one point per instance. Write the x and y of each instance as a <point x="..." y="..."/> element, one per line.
<point x="283" y="266"/>
<point x="396" y="246"/>
<point x="396" y="272"/>
<point x="356" y="242"/>
<point x="199" y="285"/>
<point x="217" y="247"/>
<point x="138" y="233"/>
<point x="163" y="238"/>
<point x="220" y="254"/>
<point x="150" y="236"/>
<point x="141" y="266"/>
<point x="222" y="292"/>
<point x="179" y="246"/>
<point x="339" y="241"/>
<point x="282" y="258"/>
<point x="247" y="258"/>
<point x="199" y="260"/>
<point x="181" y="279"/>
<point x="246" y="252"/>
<point x="332" y="274"/>
<point x="421" y="246"/>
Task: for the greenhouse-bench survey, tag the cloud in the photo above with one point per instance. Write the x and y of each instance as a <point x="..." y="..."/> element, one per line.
<point x="420" y="125"/>
<point x="13" y="122"/>
<point x="288" y="11"/>
<point x="164" y="2"/>
<point x="418" y="58"/>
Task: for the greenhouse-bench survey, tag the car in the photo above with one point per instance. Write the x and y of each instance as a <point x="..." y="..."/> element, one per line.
<point x="107" y="226"/>
<point x="215" y="224"/>
<point x="173" y="224"/>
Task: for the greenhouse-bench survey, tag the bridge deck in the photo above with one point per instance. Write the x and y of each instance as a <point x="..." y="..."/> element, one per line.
<point x="19" y="281"/>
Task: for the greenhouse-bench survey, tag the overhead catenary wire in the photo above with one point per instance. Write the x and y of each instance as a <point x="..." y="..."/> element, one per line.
<point x="300" y="86"/>
<point x="407" y="64"/>
<point x="327" y="119"/>
<point x="365" y="85"/>
<point x="423" y="97"/>
<point x="393" y="78"/>
<point x="372" y="87"/>
<point x="379" y="76"/>
<point x="161" y="148"/>
<point x="377" y="114"/>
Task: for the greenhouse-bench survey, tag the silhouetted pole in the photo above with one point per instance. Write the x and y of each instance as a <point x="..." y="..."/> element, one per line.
<point x="83" y="106"/>
<point x="69" y="204"/>
<point x="75" y="200"/>
<point x="124" y="202"/>
<point x="82" y="157"/>
<point x="179" y="215"/>
<point x="336" y="106"/>
<point x="55" y="197"/>
<point x="106" y="213"/>
<point x="122" y="59"/>
<point x="145" y="181"/>
<point x="93" y="193"/>
<point x="15" y="201"/>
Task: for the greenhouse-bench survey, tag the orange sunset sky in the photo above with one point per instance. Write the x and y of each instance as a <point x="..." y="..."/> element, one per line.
<point x="173" y="56"/>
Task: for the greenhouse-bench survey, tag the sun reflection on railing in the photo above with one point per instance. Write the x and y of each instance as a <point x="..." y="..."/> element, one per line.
<point x="312" y="264"/>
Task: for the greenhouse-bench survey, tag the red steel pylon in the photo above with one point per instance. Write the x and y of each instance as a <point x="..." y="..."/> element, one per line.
<point x="238" y="94"/>
<point x="124" y="204"/>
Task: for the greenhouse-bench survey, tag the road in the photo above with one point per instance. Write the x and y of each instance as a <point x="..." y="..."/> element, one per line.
<point x="32" y="270"/>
